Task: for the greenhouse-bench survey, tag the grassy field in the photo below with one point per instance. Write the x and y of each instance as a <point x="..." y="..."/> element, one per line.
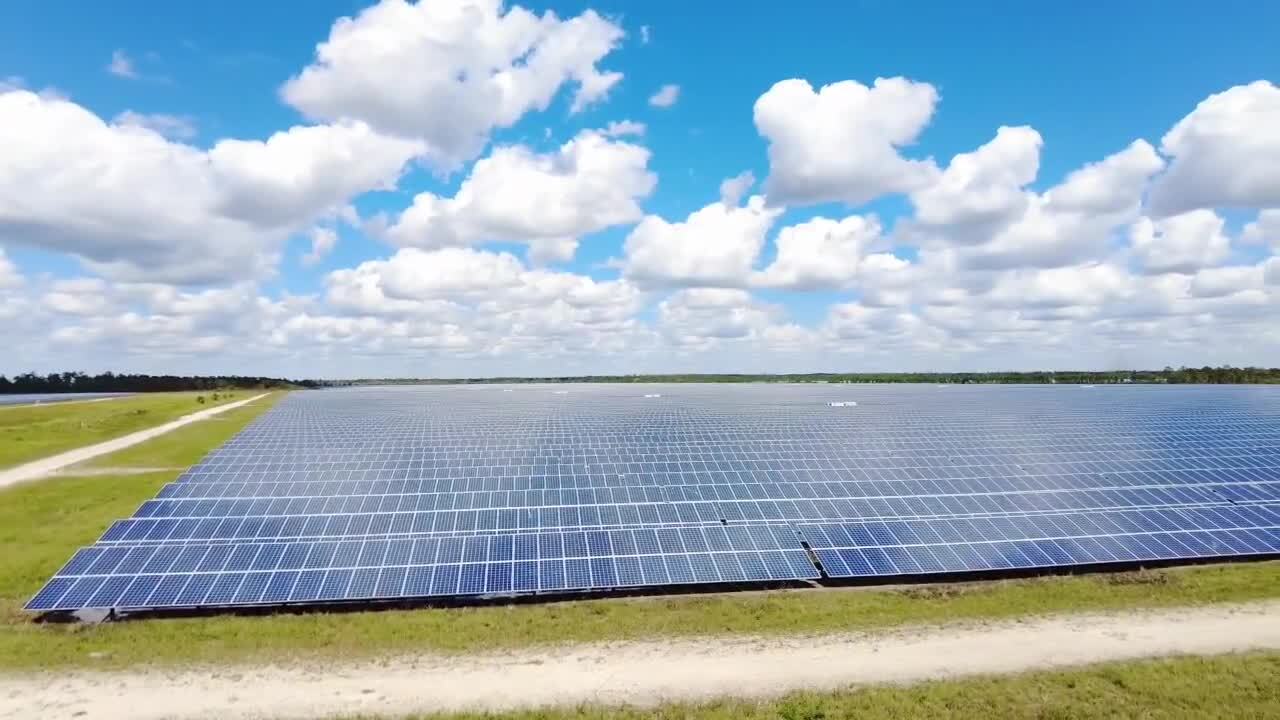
<point x="30" y="432"/>
<point x="42" y="523"/>
<point x="1231" y="687"/>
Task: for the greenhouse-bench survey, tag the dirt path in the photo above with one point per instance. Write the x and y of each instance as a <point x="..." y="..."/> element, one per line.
<point x="637" y="673"/>
<point x="74" y="471"/>
<point x="46" y="466"/>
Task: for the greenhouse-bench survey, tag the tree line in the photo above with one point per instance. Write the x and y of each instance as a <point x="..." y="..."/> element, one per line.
<point x="111" y="382"/>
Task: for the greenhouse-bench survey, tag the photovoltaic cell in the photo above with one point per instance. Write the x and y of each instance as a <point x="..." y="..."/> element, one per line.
<point x="392" y="493"/>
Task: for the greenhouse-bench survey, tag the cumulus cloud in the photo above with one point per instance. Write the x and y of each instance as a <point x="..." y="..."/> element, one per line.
<point x="993" y="227"/>
<point x="842" y="142"/>
<point x="1265" y="230"/>
<point x="449" y="72"/>
<point x="855" y="326"/>
<point x="665" y="97"/>
<point x="1227" y="281"/>
<point x="174" y="127"/>
<point x="545" y="200"/>
<point x="491" y="298"/>
<point x="83" y="296"/>
<point x="1064" y="287"/>
<point x="824" y="253"/>
<point x="148" y="319"/>
<point x="1182" y="244"/>
<point x="715" y="246"/>
<point x="982" y="191"/>
<point x="173" y="212"/>
<point x="305" y="171"/>
<point x="1271" y="272"/>
<point x="698" y="315"/>
<point x="1225" y="153"/>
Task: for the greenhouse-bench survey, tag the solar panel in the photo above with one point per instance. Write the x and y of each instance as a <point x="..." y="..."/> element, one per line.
<point x="462" y="491"/>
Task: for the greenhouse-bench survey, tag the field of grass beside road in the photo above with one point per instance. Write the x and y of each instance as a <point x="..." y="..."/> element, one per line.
<point x="43" y="522"/>
<point x="1229" y="687"/>
<point x="31" y="432"/>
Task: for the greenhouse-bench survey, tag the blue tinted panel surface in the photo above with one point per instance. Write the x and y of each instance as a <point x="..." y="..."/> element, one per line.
<point x="372" y="493"/>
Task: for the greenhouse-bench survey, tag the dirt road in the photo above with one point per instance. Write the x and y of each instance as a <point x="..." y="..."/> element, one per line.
<point x="47" y="466"/>
<point x="637" y="673"/>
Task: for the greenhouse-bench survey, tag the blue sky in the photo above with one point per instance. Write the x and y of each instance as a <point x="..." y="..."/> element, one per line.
<point x="1089" y="79"/>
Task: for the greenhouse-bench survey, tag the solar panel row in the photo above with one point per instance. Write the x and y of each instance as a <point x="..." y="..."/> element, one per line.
<point x="140" y="576"/>
<point x="934" y="546"/>
<point x="224" y="524"/>
<point x="781" y="482"/>
<point x="459" y="491"/>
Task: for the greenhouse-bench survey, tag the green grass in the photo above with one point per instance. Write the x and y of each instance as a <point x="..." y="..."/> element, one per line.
<point x="318" y="636"/>
<point x="30" y="432"/>
<point x="42" y="523"/>
<point x="1230" y="687"/>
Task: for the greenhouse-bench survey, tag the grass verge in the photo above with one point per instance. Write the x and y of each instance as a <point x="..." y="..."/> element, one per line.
<point x="30" y="432"/>
<point x="42" y="523"/>
<point x="1229" y="687"/>
<point x="320" y="636"/>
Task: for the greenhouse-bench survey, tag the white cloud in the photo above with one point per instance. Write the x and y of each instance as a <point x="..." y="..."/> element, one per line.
<point x="121" y="65"/>
<point x="1226" y="153"/>
<point x="174" y="127"/>
<point x="1265" y="230"/>
<point x="1064" y="287"/>
<point x="666" y="96"/>
<point x="1181" y="244"/>
<point x="705" y="317"/>
<point x="841" y="143"/>
<point x="12" y="82"/>
<point x="715" y="246"/>
<point x="855" y="326"/>
<point x="644" y="35"/>
<point x="488" y="301"/>
<point x="981" y="191"/>
<point x="323" y="240"/>
<point x="548" y="201"/>
<point x="305" y="171"/>
<point x="623" y="128"/>
<point x="449" y="72"/>
<point x="1226" y="281"/>
<point x="1271" y="272"/>
<point x="447" y="274"/>
<point x="733" y="189"/>
<point x="87" y="297"/>
<point x="172" y="212"/>
<point x="1072" y="222"/>
<point x="823" y="253"/>
<point x="1113" y="186"/>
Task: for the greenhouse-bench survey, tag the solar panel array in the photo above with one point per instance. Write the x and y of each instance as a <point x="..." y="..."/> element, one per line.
<point x="456" y="491"/>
